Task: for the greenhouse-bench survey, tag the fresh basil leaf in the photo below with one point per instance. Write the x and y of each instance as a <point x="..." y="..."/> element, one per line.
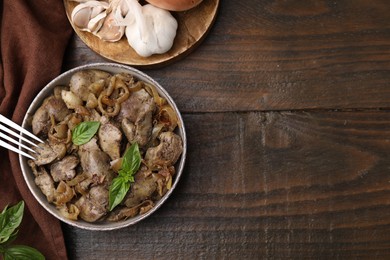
<point x="126" y="175"/>
<point x="10" y="220"/>
<point x="84" y="132"/>
<point x="20" y="252"/>
<point x="4" y="210"/>
<point x="131" y="159"/>
<point x="118" y="189"/>
<point x="121" y="184"/>
<point x="12" y="238"/>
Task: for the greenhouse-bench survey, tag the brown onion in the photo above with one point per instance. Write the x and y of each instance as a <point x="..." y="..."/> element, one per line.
<point x="175" y="5"/>
<point x="70" y="212"/>
<point x="168" y="117"/>
<point x="76" y="180"/>
<point x="154" y="93"/>
<point x="63" y="193"/>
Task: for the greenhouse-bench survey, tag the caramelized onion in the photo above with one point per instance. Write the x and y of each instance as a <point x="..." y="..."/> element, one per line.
<point x="107" y="101"/>
<point x="154" y="93"/>
<point x="169" y="182"/>
<point x="146" y="208"/>
<point x="125" y="95"/>
<point x="82" y="111"/>
<point x="97" y="87"/>
<point x="63" y="193"/>
<point x="79" y="178"/>
<point x="136" y="87"/>
<point x="125" y="213"/>
<point x="111" y="106"/>
<point x="104" y="109"/>
<point x="168" y="117"/>
<point x="91" y="101"/>
<point x="60" y="133"/>
<point x="157" y="129"/>
<point x="71" y="212"/>
<point x="73" y="120"/>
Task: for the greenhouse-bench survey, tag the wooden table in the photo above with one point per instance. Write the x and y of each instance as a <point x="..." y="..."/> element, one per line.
<point x="286" y="106"/>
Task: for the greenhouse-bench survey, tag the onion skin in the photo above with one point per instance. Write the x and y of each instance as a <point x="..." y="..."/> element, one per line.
<point x="175" y="5"/>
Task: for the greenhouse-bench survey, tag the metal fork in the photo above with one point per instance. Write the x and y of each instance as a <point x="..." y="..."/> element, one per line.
<point x="5" y="128"/>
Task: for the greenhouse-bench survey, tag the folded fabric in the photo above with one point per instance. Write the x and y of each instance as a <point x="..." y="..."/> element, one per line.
<point x="34" y="36"/>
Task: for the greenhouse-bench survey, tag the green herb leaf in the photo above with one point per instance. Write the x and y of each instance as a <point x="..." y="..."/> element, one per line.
<point x="20" y="252"/>
<point x="84" y="132"/>
<point x="5" y="209"/>
<point x="12" y="238"/>
<point x="124" y="174"/>
<point x="118" y="189"/>
<point x="10" y="220"/>
<point x="131" y="159"/>
<point x="121" y="184"/>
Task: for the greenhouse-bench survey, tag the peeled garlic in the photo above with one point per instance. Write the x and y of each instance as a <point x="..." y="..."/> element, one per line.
<point x="110" y="31"/>
<point x="89" y="16"/>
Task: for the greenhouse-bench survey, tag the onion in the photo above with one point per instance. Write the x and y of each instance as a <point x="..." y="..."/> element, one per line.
<point x="125" y="213"/>
<point x="111" y="106"/>
<point x="154" y="93"/>
<point x="175" y="5"/>
<point x="63" y="193"/>
<point x="172" y="121"/>
<point x="76" y="180"/>
<point x="60" y="133"/>
<point x="70" y="212"/>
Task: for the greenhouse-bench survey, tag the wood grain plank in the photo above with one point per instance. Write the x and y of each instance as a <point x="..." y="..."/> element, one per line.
<point x="275" y="184"/>
<point x="281" y="55"/>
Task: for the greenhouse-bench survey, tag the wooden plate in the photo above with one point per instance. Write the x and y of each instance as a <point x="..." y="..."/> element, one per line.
<point x="193" y="26"/>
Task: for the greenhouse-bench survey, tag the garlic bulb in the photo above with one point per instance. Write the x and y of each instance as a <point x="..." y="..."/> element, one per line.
<point x="149" y="29"/>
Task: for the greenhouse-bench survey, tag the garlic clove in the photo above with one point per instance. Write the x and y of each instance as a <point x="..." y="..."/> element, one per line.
<point x="84" y="13"/>
<point x="96" y="23"/>
<point x="96" y="10"/>
<point x="110" y="31"/>
<point x="80" y="16"/>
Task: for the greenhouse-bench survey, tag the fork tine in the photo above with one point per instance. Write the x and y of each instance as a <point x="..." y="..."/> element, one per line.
<point x="17" y="127"/>
<point x="5" y="129"/>
<point x="5" y="126"/>
<point x="6" y="137"/>
<point x="10" y="147"/>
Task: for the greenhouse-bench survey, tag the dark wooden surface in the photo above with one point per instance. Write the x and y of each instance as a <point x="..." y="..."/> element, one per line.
<point x="286" y="105"/>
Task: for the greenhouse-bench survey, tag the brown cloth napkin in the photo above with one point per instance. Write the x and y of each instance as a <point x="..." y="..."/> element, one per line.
<point x="34" y="35"/>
